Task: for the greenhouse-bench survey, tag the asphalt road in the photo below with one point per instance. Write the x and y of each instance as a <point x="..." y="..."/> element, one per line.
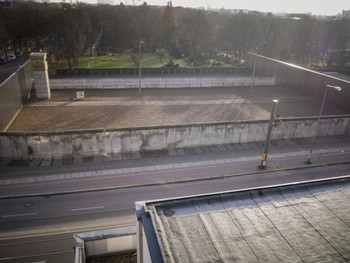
<point x="9" y="68"/>
<point x="41" y="228"/>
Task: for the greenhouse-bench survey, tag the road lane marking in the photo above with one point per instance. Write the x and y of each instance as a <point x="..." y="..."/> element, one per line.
<point x="87" y="208"/>
<point x="16" y="215"/>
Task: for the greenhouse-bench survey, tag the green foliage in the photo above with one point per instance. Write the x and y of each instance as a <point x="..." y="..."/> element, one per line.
<point x="162" y="53"/>
<point x="184" y="34"/>
<point x="171" y="64"/>
<point x="116" y="61"/>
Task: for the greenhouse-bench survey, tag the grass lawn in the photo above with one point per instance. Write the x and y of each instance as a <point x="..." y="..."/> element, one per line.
<point x="116" y="61"/>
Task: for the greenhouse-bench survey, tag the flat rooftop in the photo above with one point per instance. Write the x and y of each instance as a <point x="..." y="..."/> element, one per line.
<point x="125" y="108"/>
<point x="305" y="223"/>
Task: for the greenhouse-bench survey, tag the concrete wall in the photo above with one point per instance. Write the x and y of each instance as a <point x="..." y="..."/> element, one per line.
<point x="13" y="91"/>
<point x="305" y="81"/>
<point x="14" y="145"/>
<point x="40" y="75"/>
<point x="158" y="82"/>
<point x="104" y="242"/>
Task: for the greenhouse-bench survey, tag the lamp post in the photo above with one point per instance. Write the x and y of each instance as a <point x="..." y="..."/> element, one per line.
<point x="318" y="120"/>
<point x="253" y="75"/>
<point x="268" y="136"/>
<point x="140" y="46"/>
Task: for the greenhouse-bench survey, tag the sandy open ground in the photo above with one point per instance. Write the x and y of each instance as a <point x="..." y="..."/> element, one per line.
<point x="125" y="108"/>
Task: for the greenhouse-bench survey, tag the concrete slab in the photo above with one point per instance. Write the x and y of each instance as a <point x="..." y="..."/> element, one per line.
<point x="57" y="162"/>
<point x="260" y="144"/>
<point x="180" y="151"/>
<point x="205" y="149"/>
<point x="18" y="163"/>
<point x="197" y="150"/>
<point x="46" y="163"/>
<point x="67" y="161"/>
<point x="77" y="159"/>
<point x="136" y="155"/>
<point x="117" y="156"/>
<point x="189" y="151"/>
<point x="98" y="158"/>
<point x="127" y="156"/>
<point x="35" y="163"/>
<point x="237" y="146"/>
<point x="245" y="146"/>
<point x="4" y="162"/>
<point x="88" y="159"/>
<point x="229" y="147"/>
<point x="172" y="152"/>
<point x="215" y="148"/>
<point x="253" y="145"/>
<point x="107" y="158"/>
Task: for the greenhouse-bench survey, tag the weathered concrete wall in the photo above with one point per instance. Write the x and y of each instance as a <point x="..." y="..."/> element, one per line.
<point x="13" y="91"/>
<point x="112" y="141"/>
<point x="303" y="80"/>
<point x="104" y="242"/>
<point x="40" y="75"/>
<point x="159" y="82"/>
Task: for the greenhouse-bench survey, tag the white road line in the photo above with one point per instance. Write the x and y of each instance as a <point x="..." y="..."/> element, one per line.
<point x="16" y="215"/>
<point x="87" y="208"/>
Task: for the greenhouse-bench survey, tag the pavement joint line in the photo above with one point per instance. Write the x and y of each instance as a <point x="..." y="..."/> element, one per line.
<point x="158" y="167"/>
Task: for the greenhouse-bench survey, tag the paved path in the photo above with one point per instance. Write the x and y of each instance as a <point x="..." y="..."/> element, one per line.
<point x="201" y="163"/>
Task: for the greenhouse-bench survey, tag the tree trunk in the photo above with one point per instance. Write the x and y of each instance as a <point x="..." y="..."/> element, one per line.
<point x="69" y="63"/>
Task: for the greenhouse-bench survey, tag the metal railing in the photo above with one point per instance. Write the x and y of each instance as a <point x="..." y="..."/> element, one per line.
<point x="150" y="71"/>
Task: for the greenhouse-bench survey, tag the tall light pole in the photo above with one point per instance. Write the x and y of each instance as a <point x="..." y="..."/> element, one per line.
<point x="268" y="136"/>
<point x="253" y="75"/>
<point x="318" y="120"/>
<point x="140" y="46"/>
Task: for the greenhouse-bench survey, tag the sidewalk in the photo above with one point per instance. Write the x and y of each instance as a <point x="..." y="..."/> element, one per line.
<point x="47" y="177"/>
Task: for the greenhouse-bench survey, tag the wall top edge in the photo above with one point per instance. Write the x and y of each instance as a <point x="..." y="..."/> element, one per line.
<point x="186" y="125"/>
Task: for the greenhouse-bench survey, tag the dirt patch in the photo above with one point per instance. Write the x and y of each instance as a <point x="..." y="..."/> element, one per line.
<point x="122" y="108"/>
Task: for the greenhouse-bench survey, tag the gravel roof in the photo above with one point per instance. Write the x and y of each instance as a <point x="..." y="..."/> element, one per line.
<point x="306" y="223"/>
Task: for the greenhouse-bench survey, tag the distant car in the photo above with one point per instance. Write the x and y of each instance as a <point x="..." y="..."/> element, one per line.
<point x="11" y="57"/>
<point x="3" y="60"/>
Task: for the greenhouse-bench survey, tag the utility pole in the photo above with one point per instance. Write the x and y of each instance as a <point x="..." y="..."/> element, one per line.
<point x="308" y="161"/>
<point x="268" y="136"/>
<point x="140" y="46"/>
<point x="254" y="67"/>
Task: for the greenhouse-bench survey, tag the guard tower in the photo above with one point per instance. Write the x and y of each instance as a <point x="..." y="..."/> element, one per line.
<point x="40" y="75"/>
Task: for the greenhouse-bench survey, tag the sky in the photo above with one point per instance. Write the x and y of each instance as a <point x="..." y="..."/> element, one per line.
<point x="315" y="7"/>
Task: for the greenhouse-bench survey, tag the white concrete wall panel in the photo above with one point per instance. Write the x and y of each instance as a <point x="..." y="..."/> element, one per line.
<point x="97" y="142"/>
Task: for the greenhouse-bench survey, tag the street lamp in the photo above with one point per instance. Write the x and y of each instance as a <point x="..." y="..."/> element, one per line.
<point x="253" y="75"/>
<point x="318" y="120"/>
<point x="140" y="45"/>
<point x="268" y="136"/>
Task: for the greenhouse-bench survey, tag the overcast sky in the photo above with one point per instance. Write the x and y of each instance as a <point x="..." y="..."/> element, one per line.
<point x="315" y="7"/>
